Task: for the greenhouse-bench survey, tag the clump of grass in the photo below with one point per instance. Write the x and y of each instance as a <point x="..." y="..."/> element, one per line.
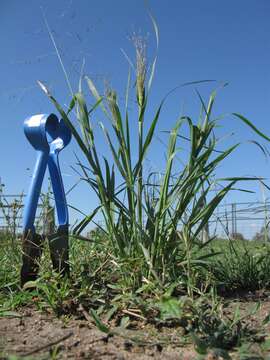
<point x="242" y="268"/>
<point x="158" y="228"/>
<point x="10" y="254"/>
<point x="10" y="261"/>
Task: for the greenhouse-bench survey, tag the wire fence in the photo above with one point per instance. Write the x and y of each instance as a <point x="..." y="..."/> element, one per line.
<point x="11" y="214"/>
<point x="247" y="220"/>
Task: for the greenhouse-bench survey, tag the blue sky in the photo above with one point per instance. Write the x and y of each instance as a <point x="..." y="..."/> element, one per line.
<point x="228" y="41"/>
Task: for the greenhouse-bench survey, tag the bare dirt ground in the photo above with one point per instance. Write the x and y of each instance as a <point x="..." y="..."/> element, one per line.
<point x="38" y="334"/>
<point x="41" y="335"/>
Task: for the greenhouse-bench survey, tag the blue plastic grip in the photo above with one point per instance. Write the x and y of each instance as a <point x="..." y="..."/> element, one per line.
<point x="58" y="189"/>
<point x="34" y="191"/>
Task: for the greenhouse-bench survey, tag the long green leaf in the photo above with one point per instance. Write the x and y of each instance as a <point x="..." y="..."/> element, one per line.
<point x="252" y="126"/>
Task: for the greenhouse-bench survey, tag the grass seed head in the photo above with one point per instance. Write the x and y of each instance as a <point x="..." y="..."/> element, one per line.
<point x="141" y="66"/>
<point x="111" y="97"/>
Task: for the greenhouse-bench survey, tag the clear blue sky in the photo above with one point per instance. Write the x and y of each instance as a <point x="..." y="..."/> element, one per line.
<point x="221" y="40"/>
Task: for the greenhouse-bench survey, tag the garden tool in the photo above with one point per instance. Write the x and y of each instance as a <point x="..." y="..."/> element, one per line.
<point x="48" y="136"/>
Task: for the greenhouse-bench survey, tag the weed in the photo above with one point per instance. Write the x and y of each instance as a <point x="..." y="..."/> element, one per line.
<point x="242" y="268"/>
<point x="156" y="229"/>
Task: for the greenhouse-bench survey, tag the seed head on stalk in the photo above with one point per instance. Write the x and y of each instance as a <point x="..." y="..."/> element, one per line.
<point x="111" y="97"/>
<point x="141" y="66"/>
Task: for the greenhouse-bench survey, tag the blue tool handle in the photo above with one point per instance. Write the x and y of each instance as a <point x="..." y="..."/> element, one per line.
<point x="34" y="191"/>
<point x="58" y="190"/>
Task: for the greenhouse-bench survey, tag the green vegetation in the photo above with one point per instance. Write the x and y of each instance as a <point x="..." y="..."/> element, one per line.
<point x="98" y="286"/>
<point x="149" y="256"/>
<point x="154" y="229"/>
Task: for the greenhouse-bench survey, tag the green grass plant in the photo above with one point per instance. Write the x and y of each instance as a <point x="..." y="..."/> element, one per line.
<point x="243" y="266"/>
<point x="156" y="230"/>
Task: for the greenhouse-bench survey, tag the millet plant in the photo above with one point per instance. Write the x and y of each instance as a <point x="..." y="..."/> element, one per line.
<point x="152" y="233"/>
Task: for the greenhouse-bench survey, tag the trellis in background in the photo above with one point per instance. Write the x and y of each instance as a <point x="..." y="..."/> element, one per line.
<point x="11" y="206"/>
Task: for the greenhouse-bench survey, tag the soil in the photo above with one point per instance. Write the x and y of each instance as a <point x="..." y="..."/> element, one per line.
<point x="40" y="335"/>
<point x="37" y="333"/>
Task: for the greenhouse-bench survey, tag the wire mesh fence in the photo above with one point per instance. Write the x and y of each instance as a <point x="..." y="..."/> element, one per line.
<point x="247" y="220"/>
<point x="241" y="220"/>
<point x="11" y="211"/>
